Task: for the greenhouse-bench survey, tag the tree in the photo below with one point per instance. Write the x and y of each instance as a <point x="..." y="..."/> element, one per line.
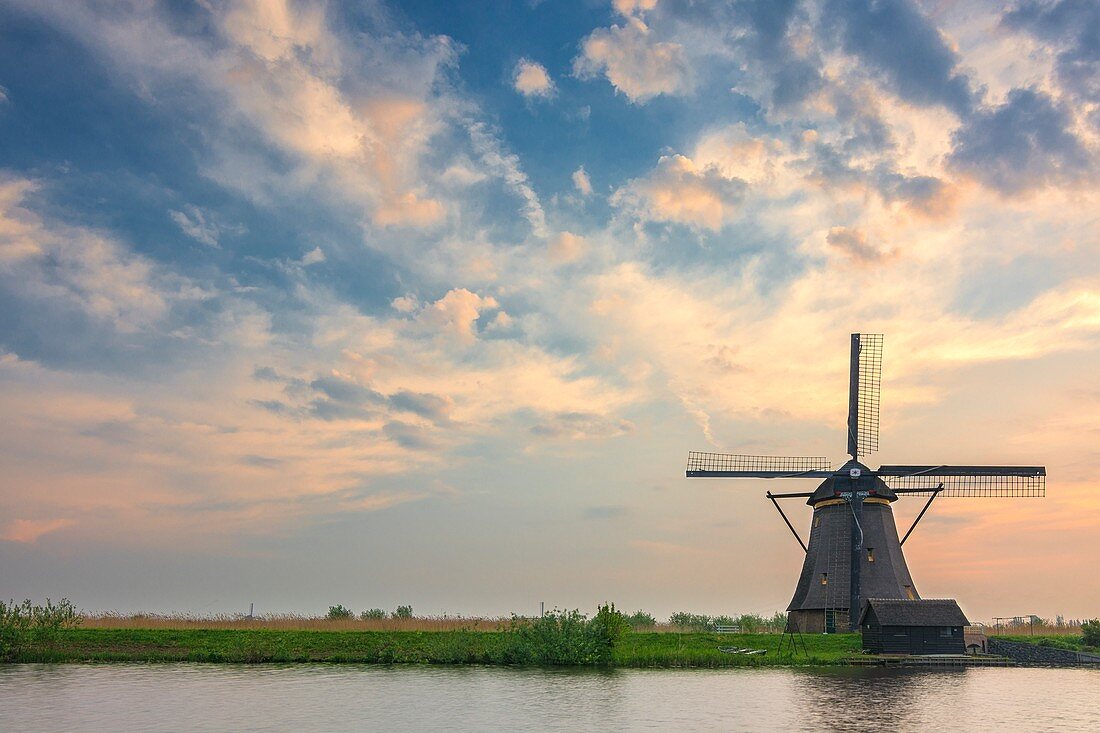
<point x="338" y="612"/>
<point x="1090" y="630"/>
<point x="403" y="612"/>
<point x="641" y="620"/>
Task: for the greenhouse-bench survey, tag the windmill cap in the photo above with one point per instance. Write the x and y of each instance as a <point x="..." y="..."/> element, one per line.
<point x="843" y="481"/>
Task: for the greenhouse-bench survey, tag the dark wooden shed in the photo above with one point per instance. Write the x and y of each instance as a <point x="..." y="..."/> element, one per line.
<point x="896" y="626"/>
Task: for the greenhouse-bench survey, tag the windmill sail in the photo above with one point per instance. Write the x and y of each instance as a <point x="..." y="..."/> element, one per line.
<point x="731" y="465"/>
<point x="864" y="390"/>
<point x="967" y="481"/>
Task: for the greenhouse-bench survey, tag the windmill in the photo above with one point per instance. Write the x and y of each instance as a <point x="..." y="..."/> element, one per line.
<point x="854" y="552"/>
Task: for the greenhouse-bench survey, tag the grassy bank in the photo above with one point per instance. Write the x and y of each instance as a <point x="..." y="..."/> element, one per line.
<point x="250" y="646"/>
<point x="1054" y="641"/>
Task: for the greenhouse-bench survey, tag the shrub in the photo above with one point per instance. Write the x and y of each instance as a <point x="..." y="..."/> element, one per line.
<point x="641" y="620"/>
<point x="693" y="621"/>
<point x="1090" y="632"/>
<point x="338" y="612"/>
<point x="555" y="638"/>
<point x="403" y="612"/>
<point x="752" y="623"/>
<point x="25" y="624"/>
<point x="372" y="614"/>
<point x="609" y="627"/>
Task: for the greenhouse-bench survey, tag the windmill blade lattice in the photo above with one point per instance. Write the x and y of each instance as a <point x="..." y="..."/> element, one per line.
<point x="735" y="465"/>
<point x="967" y="481"/>
<point x="870" y="391"/>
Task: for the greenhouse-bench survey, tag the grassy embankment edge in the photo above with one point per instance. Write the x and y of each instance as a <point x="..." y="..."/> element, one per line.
<point x="257" y="646"/>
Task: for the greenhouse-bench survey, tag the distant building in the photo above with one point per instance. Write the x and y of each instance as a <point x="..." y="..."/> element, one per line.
<point x="892" y="626"/>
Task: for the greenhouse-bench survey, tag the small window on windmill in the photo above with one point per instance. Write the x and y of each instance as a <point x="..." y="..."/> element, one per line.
<point x="824" y="578"/>
<point x="817" y="521"/>
<point x="909" y="592"/>
<point x="870" y="554"/>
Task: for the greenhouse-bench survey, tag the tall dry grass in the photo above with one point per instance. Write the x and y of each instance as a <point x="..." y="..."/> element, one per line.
<point x="1026" y="629"/>
<point x="289" y="622"/>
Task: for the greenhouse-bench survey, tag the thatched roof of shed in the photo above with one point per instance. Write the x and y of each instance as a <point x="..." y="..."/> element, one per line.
<point x="924" y="612"/>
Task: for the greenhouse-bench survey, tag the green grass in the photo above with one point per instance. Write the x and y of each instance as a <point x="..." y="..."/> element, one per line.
<point x="253" y="646"/>
<point x="1059" y="641"/>
<point x="256" y="646"/>
<point x="701" y="650"/>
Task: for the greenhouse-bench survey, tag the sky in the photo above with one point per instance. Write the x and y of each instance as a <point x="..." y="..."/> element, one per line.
<point x="376" y="303"/>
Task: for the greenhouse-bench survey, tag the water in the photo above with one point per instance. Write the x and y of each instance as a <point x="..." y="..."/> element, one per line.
<point x="195" y="697"/>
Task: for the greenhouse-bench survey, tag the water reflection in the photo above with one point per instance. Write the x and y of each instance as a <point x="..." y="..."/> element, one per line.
<point x="172" y="697"/>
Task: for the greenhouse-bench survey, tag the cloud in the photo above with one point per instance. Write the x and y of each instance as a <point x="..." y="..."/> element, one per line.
<point x="530" y="79"/>
<point x="580" y="426"/>
<point x="1026" y="143"/>
<point x="1071" y="27"/>
<point x="430" y="406"/>
<point x="412" y="437"/>
<point x="194" y="224"/>
<point x="629" y="7"/>
<point x="678" y="191"/>
<point x="853" y="242"/>
<point x="927" y="195"/>
<point x="567" y="247"/>
<point x="354" y="114"/>
<point x="52" y="265"/>
<point x="769" y="40"/>
<point x="506" y="166"/>
<point x="456" y="314"/>
<point x="896" y="40"/>
<point x="29" y="530"/>
<point x="341" y="389"/>
<point x="312" y="257"/>
<point x="605" y="512"/>
<point x="581" y="182"/>
<point x="634" y="62"/>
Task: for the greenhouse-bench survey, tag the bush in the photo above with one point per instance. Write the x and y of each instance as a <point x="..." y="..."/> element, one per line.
<point x="555" y="638"/>
<point x="338" y="612"/>
<point x="609" y="626"/>
<point x="567" y="638"/>
<point x="372" y="614"/>
<point x="750" y="623"/>
<point x="641" y="620"/>
<point x="692" y="621"/>
<point x="1090" y="632"/>
<point x="26" y="624"/>
<point x="403" y="612"/>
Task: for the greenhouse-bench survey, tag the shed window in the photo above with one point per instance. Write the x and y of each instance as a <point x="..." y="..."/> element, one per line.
<point x="909" y="592"/>
<point x="947" y="632"/>
<point x="870" y="554"/>
<point x="817" y="521"/>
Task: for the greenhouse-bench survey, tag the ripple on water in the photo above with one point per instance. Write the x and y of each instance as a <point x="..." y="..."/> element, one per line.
<point x="198" y="697"/>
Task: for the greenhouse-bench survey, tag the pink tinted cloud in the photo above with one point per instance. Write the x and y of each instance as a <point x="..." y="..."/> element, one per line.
<point x="29" y="530"/>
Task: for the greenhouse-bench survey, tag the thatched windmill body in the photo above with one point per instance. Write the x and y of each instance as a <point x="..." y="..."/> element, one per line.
<point x="854" y="552"/>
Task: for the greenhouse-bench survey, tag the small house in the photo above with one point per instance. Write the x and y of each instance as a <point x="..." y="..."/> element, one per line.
<point x="898" y="626"/>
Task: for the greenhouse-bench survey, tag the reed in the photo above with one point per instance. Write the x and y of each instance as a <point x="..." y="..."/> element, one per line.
<point x="1029" y="630"/>
<point x="289" y="622"/>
